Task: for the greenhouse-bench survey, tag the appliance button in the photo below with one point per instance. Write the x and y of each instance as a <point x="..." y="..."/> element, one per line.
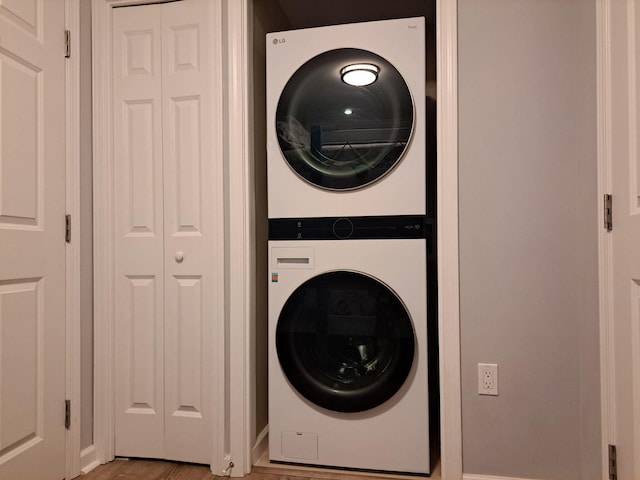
<point x="343" y="228"/>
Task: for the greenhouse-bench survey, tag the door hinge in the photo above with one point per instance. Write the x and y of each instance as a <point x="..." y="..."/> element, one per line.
<point x="608" y="212"/>
<point x="613" y="463"/>
<point x="67" y="414"/>
<point x="67" y="228"/>
<point x="67" y="41"/>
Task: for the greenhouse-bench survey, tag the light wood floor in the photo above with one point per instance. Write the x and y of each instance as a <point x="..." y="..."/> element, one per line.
<point x="149" y="470"/>
<point x="138" y="469"/>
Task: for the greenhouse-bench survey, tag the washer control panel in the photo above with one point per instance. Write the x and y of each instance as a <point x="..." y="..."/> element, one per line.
<point x="345" y="228"/>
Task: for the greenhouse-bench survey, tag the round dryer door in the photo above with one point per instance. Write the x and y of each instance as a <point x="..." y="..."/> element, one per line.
<point x="344" y="119"/>
<point x="345" y="341"/>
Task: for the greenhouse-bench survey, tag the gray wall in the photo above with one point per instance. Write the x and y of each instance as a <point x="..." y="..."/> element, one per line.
<point x="528" y="238"/>
<point x="86" y="231"/>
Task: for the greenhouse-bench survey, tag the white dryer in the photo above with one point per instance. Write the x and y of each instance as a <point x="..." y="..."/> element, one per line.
<point x="346" y="120"/>
<point x="348" y="343"/>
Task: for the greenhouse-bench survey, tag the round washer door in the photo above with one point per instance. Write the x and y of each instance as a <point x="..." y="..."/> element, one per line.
<point x="345" y="341"/>
<point x="339" y="136"/>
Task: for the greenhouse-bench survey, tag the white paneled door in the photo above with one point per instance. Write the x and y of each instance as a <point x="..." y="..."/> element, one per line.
<point x="165" y="230"/>
<point x="32" y="245"/>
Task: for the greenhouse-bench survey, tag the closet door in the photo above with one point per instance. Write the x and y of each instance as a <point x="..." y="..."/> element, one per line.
<point x="139" y="230"/>
<point x="164" y="173"/>
<point x="189" y="229"/>
<point x="32" y="247"/>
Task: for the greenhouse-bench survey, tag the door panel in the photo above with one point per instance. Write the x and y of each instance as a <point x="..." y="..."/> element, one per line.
<point x="189" y="228"/>
<point x="143" y="394"/>
<point x="20" y="140"/>
<point x="32" y="253"/>
<point x="184" y="123"/>
<point x="139" y="227"/>
<point x="165" y="225"/>
<point x="21" y="334"/>
<point x="138" y="133"/>
<point x="23" y="13"/>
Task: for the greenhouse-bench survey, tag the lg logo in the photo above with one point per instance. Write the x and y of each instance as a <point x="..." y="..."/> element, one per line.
<point x="276" y="41"/>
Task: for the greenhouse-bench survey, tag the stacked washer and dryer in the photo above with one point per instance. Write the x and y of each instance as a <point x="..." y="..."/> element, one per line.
<point x="347" y="244"/>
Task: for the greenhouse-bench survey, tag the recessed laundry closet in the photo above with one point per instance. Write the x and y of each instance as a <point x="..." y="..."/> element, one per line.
<point x="347" y="162"/>
<point x="167" y="266"/>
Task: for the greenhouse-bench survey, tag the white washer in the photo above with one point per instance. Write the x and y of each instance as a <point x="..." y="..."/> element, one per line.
<point x="334" y="148"/>
<point x="348" y="354"/>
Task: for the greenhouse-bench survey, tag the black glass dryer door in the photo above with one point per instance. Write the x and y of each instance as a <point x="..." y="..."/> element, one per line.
<point x="345" y="341"/>
<point x="340" y="136"/>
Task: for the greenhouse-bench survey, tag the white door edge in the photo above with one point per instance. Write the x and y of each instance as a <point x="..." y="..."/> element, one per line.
<point x="73" y="319"/>
<point x="605" y="252"/>
<point x="219" y="368"/>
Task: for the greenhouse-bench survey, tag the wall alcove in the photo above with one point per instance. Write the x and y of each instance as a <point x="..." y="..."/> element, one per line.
<point x="279" y="15"/>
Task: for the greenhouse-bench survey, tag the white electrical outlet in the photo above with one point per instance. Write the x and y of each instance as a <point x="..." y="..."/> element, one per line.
<point x="487" y="379"/>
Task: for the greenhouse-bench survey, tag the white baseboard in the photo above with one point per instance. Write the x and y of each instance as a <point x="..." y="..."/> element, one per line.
<point x="260" y="446"/>
<point x="88" y="460"/>
<point x="468" y="476"/>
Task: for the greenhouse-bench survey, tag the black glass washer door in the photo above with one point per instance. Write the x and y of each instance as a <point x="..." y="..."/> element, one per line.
<point x="345" y="341"/>
<point x="339" y="136"/>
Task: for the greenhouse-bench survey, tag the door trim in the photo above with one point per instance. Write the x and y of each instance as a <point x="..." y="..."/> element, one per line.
<point x="73" y="249"/>
<point x="608" y="397"/>
<point x="605" y="252"/>
<point x="240" y="234"/>
<point x="103" y="234"/>
<point x="104" y="245"/>
<point x="448" y="246"/>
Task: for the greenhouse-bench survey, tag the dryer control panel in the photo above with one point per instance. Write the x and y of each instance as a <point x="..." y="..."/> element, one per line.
<point x="356" y="228"/>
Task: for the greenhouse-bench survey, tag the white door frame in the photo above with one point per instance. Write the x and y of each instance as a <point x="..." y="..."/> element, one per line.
<point x="605" y="253"/>
<point x="448" y="246"/>
<point x="237" y="392"/>
<point x="604" y="26"/>
<point x="73" y="319"/>
<point x="241" y="233"/>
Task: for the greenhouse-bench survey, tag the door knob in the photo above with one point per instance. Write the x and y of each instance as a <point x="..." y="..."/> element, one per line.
<point x="179" y="257"/>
